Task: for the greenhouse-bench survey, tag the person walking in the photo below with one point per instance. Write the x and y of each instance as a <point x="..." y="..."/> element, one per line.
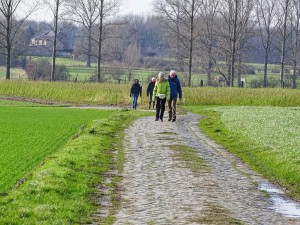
<point x="176" y="90"/>
<point x="150" y="89"/>
<point x="136" y="90"/>
<point x="161" y="93"/>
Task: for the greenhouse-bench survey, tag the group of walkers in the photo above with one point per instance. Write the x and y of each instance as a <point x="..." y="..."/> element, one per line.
<point x="160" y="90"/>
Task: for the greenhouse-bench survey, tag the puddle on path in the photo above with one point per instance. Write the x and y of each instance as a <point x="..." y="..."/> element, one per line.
<point x="283" y="206"/>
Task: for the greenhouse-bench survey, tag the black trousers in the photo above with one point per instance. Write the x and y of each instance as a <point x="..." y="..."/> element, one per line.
<point x="160" y="107"/>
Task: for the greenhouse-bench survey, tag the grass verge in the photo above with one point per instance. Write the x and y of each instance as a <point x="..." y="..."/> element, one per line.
<point x="215" y="214"/>
<point x="189" y="156"/>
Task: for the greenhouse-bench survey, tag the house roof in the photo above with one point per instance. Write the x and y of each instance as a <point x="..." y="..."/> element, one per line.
<point x="45" y="35"/>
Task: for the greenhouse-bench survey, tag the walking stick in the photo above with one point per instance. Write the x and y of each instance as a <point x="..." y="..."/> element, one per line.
<point x="141" y="95"/>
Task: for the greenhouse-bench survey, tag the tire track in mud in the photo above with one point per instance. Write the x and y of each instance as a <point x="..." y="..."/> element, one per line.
<point x="158" y="188"/>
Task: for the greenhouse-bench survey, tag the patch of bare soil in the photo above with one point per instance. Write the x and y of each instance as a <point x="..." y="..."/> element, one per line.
<point x="65" y="104"/>
<point x="37" y="101"/>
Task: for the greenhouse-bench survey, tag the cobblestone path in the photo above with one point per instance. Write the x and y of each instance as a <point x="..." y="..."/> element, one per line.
<point x="159" y="188"/>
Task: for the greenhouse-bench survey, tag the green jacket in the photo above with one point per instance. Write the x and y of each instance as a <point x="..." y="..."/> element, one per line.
<point x="161" y="87"/>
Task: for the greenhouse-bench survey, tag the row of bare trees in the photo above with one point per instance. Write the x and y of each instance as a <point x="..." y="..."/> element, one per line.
<point x="10" y="26"/>
<point x="214" y="35"/>
<point x="209" y="32"/>
<point x="95" y="17"/>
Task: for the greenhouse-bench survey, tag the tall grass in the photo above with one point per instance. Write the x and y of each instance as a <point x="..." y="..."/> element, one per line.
<point x="240" y="96"/>
<point x="82" y="93"/>
<point x="118" y="94"/>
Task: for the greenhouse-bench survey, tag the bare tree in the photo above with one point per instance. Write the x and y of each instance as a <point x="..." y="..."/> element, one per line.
<point x="245" y="32"/>
<point x="85" y="13"/>
<point x="235" y="28"/>
<point x="266" y="11"/>
<point x="191" y="9"/>
<point x="56" y="8"/>
<point x="225" y="33"/>
<point x="132" y="56"/>
<point x="97" y="18"/>
<point x="284" y="6"/>
<point x="10" y="26"/>
<point x="170" y="13"/>
<point x="209" y="17"/>
<point x="295" y="26"/>
<point x="106" y="11"/>
<point x="181" y="17"/>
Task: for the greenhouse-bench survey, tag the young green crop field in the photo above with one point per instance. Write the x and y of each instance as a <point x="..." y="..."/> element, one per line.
<point x="266" y="138"/>
<point x="29" y="134"/>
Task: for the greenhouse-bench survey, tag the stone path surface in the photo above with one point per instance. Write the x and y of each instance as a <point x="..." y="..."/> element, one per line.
<point x="158" y="188"/>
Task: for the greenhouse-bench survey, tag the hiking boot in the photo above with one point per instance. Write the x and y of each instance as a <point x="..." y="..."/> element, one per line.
<point x="169" y="119"/>
<point x="161" y="120"/>
<point x="173" y="120"/>
<point x="156" y="119"/>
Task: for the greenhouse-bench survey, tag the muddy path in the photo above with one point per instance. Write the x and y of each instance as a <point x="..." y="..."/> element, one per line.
<point x="160" y="187"/>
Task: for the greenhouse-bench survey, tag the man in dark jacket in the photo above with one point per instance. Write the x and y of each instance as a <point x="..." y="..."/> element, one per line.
<point x="175" y="91"/>
<point x="136" y="90"/>
<point x="150" y="91"/>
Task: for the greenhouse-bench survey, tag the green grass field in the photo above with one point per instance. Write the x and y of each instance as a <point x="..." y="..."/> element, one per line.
<point x="81" y="73"/>
<point x="30" y="134"/>
<point x="266" y="138"/>
<point x="16" y="73"/>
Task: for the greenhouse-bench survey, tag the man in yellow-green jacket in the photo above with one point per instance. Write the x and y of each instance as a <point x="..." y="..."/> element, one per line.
<point x="161" y="94"/>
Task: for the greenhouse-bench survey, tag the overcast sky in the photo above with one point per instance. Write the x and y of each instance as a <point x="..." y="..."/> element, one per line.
<point x="142" y="7"/>
<point x="137" y="6"/>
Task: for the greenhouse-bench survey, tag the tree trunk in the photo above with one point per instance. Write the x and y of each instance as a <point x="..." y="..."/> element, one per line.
<point x="89" y="53"/>
<point x="233" y="49"/>
<point x="191" y="45"/>
<point x="295" y="70"/>
<point x="239" y="77"/>
<point x="296" y="49"/>
<point x="53" y="68"/>
<point x="8" y="60"/>
<point x="8" y="49"/>
<point x="8" y="41"/>
<point x="99" y="58"/>
<point x="266" y="68"/>
<point x="282" y="60"/>
<point x="210" y="65"/>
<point x="178" y="49"/>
